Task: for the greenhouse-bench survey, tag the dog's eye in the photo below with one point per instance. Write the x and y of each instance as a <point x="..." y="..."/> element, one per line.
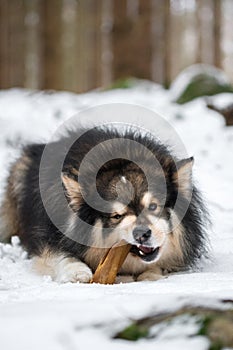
<point x="153" y="206"/>
<point x="117" y="217"/>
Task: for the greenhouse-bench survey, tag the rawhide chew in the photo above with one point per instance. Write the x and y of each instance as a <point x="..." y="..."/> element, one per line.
<point x="111" y="263"/>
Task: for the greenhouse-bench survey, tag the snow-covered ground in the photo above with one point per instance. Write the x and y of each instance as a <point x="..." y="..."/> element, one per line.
<point x="37" y="313"/>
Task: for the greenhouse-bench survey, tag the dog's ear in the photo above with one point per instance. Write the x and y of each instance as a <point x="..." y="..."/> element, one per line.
<point x="73" y="190"/>
<point x="183" y="176"/>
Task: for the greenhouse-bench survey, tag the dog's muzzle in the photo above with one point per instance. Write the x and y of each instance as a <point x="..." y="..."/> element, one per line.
<point x="141" y="234"/>
<point x="143" y="248"/>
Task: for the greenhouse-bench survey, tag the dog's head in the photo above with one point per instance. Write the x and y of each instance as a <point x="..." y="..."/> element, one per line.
<point x="139" y="212"/>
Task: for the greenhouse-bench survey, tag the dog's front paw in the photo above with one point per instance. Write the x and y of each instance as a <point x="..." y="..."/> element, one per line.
<point x="124" y="279"/>
<point x="74" y="272"/>
<point x="149" y="276"/>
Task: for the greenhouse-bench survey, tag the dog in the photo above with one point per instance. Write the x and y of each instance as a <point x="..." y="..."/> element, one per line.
<point x="138" y="182"/>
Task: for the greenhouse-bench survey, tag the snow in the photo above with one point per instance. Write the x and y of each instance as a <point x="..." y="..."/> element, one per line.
<point x="36" y="312"/>
<point x="222" y="101"/>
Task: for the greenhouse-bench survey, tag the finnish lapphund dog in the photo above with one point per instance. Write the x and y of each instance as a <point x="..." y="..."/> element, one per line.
<point x="153" y="205"/>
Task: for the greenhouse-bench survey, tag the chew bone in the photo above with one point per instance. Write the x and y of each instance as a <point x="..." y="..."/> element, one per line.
<point x="111" y="263"/>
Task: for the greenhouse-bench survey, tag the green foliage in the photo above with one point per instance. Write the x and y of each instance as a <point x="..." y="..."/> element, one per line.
<point x="125" y="83"/>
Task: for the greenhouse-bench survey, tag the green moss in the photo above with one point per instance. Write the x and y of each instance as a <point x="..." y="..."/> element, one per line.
<point x="204" y="330"/>
<point x="215" y="346"/>
<point x="205" y="322"/>
<point x="133" y="332"/>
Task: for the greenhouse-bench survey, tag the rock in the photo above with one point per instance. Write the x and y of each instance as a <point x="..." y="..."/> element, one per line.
<point x="199" y="80"/>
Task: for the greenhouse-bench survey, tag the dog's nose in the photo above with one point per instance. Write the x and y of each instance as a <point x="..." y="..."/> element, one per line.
<point x="141" y="234"/>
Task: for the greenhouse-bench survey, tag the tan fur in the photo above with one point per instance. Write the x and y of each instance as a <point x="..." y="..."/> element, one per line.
<point x="153" y="273"/>
<point x="183" y="178"/>
<point x="133" y="265"/>
<point x="159" y="228"/>
<point x="46" y="262"/>
<point x="172" y="256"/>
<point x="9" y="221"/>
<point x="94" y="255"/>
<point x="119" y="208"/>
<point x="124" y="279"/>
<point x="73" y="191"/>
<point x="146" y="200"/>
<point x="129" y="220"/>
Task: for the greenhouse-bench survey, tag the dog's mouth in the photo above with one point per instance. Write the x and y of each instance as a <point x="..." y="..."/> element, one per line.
<point x="144" y="252"/>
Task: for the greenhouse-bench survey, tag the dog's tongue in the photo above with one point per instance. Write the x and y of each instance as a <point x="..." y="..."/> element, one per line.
<point x="146" y="250"/>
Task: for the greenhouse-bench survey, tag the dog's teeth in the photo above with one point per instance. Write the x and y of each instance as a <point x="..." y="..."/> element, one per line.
<point x="141" y="253"/>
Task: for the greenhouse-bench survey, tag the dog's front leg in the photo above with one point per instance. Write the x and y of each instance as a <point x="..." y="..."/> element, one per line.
<point x="62" y="269"/>
<point x="152" y="274"/>
<point x="124" y="279"/>
<point x="73" y="270"/>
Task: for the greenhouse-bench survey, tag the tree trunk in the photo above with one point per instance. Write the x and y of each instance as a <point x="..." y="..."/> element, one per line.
<point x="69" y="71"/>
<point x="33" y="46"/>
<point x="106" y="42"/>
<point x="217" y="32"/>
<point x="52" y="50"/>
<point x="88" y="40"/>
<point x="167" y="44"/>
<point x="4" y="44"/>
<point x="131" y="40"/>
<point x="12" y="43"/>
<point x="199" y="52"/>
<point x="158" y="47"/>
<point x="120" y="36"/>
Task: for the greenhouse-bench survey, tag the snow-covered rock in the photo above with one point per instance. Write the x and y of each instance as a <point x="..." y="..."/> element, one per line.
<point x="199" y="80"/>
